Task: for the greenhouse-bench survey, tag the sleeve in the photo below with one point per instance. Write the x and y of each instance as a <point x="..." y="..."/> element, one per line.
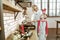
<point x="47" y="28"/>
<point x="38" y="26"/>
<point x="22" y="29"/>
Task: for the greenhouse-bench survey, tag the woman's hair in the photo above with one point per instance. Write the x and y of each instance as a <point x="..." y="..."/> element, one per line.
<point x="34" y="7"/>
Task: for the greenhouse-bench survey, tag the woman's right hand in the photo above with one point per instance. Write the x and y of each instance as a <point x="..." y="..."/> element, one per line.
<point x="38" y="34"/>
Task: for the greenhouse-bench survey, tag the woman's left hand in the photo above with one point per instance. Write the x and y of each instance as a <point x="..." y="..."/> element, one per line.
<point x="46" y="35"/>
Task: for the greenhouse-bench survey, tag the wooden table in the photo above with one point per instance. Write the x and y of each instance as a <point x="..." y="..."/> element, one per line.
<point x="57" y="32"/>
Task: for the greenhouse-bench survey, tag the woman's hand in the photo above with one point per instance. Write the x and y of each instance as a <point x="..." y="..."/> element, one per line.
<point x="46" y="35"/>
<point x="38" y="34"/>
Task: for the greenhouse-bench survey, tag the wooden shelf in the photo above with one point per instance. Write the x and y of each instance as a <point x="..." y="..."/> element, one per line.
<point x="10" y="7"/>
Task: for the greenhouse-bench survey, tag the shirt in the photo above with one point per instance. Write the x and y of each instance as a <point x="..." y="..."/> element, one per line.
<point x="36" y="15"/>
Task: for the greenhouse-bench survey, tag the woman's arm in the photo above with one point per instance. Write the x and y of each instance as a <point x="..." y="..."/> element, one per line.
<point x="35" y="21"/>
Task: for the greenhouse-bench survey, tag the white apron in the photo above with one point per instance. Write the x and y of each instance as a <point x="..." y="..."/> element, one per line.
<point x="42" y="34"/>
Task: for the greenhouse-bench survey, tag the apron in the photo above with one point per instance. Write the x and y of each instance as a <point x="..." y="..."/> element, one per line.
<point x="42" y="34"/>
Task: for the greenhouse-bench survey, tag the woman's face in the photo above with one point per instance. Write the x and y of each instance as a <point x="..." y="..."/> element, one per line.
<point x="43" y="17"/>
<point x="35" y="8"/>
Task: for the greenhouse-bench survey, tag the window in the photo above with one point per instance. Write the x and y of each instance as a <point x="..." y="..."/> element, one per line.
<point x="41" y="4"/>
<point x="38" y="3"/>
<point x="44" y="5"/>
<point x="52" y="6"/>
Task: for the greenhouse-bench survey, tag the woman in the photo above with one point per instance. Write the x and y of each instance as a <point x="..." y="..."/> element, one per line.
<point x="35" y="17"/>
<point x="43" y="26"/>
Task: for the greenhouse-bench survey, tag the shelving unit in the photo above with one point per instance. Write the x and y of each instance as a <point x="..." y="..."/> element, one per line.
<point x="6" y="5"/>
<point x="10" y="7"/>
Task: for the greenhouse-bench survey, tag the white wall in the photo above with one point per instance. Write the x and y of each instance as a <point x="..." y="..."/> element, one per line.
<point x="52" y="21"/>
